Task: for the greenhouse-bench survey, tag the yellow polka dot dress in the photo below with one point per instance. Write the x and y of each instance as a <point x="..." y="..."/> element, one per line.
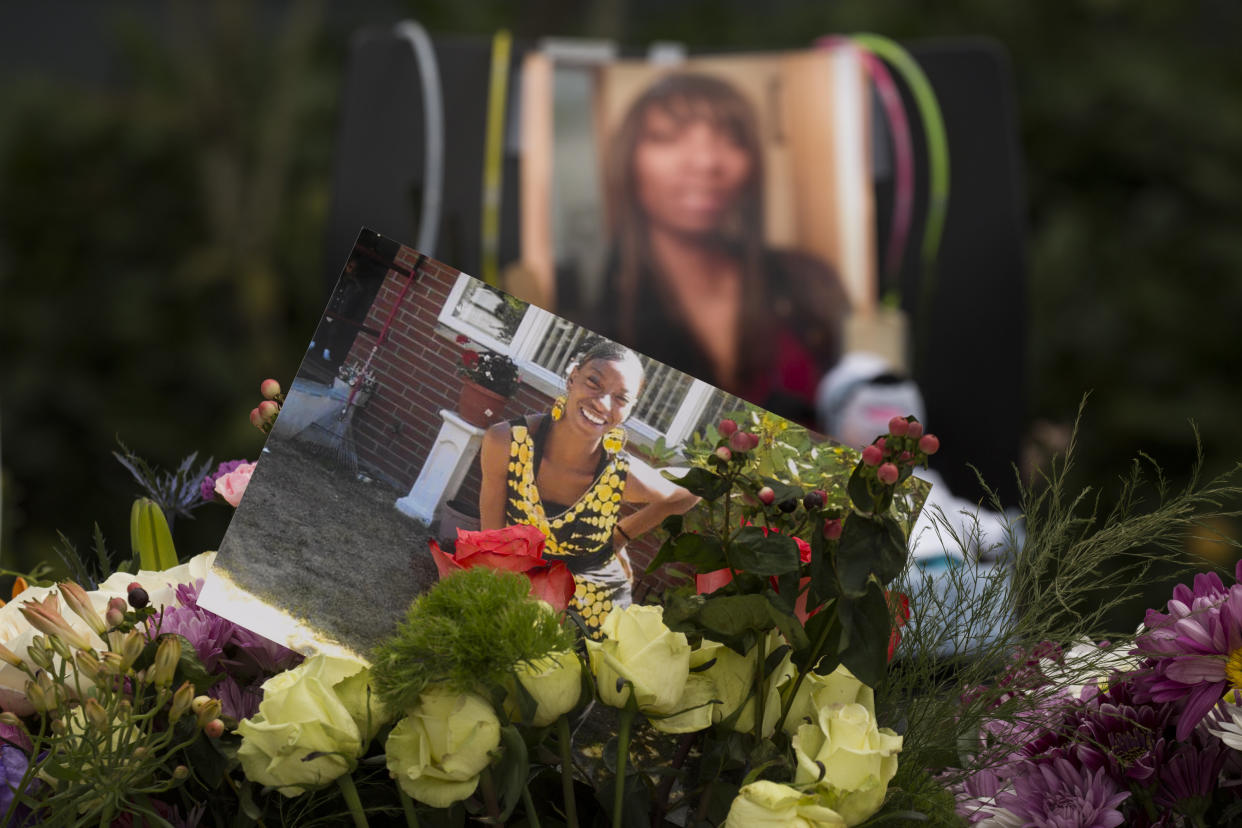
<point x="580" y="534"/>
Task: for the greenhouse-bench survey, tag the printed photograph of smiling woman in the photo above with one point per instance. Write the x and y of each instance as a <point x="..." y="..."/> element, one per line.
<point x="721" y="219"/>
<point x="566" y="472"/>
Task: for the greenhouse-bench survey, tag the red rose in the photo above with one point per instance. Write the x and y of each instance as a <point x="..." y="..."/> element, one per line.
<point x="469" y="358"/>
<point x="899" y="605"/>
<point x="512" y="549"/>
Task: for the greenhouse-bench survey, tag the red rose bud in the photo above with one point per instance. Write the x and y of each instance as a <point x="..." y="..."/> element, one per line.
<point x="766" y="495"/>
<point x="740" y="441"/>
<point x="724" y="454"/>
<point x="898" y="426"/>
<point x="726" y="427"/>
<point x="929" y="444"/>
<point x="256" y="419"/>
<point x="462" y="339"/>
<point x="268" y="410"/>
<point x="915" y="431"/>
<point x="872" y="455"/>
<point x="887" y="473"/>
<point x="832" y="529"/>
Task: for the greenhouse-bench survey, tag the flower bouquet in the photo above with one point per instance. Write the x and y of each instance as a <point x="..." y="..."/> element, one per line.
<point x="801" y="674"/>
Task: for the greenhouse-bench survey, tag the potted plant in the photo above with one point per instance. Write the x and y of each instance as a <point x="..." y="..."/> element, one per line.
<point x="489" y="380"/>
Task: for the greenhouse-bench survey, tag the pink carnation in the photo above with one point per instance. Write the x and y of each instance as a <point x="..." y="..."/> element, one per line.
<point x="233" y="485"/>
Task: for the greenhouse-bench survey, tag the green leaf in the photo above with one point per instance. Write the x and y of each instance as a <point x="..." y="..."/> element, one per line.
<point x="701" y="482"/>
<point x="736" y="620"/>
<point x="824" y="584"/>
<point x="786" y="621"/>
<point x="760" y="554"/>
<point x="865" y="622"/>
<point x="869" y="546"/>
<point x="823" y="642"/>
<point x="703" y="552"/>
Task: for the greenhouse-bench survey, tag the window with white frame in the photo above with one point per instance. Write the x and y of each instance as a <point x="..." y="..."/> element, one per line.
<point x="673" y="405"/>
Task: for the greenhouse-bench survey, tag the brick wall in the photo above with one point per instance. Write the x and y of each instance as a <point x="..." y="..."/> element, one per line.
<point x="416" y="374"/>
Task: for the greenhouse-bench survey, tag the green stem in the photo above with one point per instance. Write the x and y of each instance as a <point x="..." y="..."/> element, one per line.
<point x="623" y="752"/>
<point x="803" y="669"/>
<point x="489" y="796"/>
<point x="567" y="772"/>
<point x="760" y="685"/>
<point x="346" y="783"/>
<point x="531" y="815"/>
<point x="407" y="806"/>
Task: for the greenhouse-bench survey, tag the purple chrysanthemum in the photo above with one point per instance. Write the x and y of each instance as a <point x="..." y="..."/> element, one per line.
<point x="1117" y="733"/>
<point x="1195" y="648"/>
<point x="1188" y="776"/>
<point x="237" y="702"/>
<point x="221" y="645"/>
<point x="208" y="487"/>
<point x="1058" y="794"/>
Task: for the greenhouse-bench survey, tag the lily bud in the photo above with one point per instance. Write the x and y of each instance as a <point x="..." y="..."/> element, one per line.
<point x="61" y="648"/>
<point x="210" y="711"/>
<point x="77" y="600"/>
<point x="38" y="700"/>
<point x="95" y="713"/>
<point x="40" y="652"/>
<point x="10" y="657"/>
<point x="48" y="620"/>
<point x="11" y="720"/>
<point x="199" y="704"/>
<point x="167" y="656"/>
<point x="181" y="702"/>
<point x="131" y="648"/>
<point x="89" y="664"/>
<point x="110" y="663"/>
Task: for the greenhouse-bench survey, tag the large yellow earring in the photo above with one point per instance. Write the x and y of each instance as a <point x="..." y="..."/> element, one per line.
<point x="614" y="440"/>
<point x="558" y="408"/>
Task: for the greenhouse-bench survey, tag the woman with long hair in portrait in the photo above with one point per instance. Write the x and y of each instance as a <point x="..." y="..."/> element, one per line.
<point x="566" y="472"/>
<point x="690" y="281"/>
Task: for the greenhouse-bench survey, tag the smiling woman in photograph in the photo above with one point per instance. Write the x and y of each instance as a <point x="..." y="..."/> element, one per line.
<point x="691" y="281"/>
<point x="566" y="473"/>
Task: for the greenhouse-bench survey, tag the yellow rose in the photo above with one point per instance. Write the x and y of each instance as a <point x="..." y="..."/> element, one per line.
<point x="320" y="708"/>
<point x="734" y="677"/>
<point x="438" y="750"/>
<point x="848" y="757"/>
<point x="640" y="655"/>
<point x="695" y="708"/>
<point x="554" y="682"/>
<point x="816" y="691"/>
<point x="771" y="804"/>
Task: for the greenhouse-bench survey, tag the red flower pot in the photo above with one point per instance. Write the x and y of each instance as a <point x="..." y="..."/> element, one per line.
<point x="480" y="406"/>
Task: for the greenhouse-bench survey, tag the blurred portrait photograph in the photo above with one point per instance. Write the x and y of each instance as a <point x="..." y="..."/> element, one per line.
<point x="430" y="403"/>
<point x="715" y="213"/>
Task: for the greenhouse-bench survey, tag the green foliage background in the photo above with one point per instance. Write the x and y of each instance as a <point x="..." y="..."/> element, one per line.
<point x="161" y="233"/>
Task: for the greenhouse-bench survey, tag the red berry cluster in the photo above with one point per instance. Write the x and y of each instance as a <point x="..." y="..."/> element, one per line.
<point x="263" y="416"/>
<point x="894" y="456"/>
<point x="734" y="440"/>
